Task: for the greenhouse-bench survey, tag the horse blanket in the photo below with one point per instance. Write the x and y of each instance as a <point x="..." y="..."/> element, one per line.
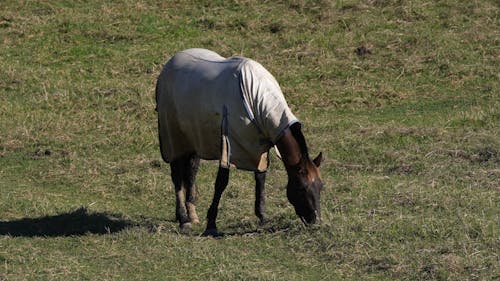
<point x="229" y="109"/>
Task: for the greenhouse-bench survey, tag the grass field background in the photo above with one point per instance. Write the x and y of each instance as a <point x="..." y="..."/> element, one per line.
<point x="401" y="96"/>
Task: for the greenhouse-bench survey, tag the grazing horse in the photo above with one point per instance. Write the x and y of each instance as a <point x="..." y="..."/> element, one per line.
<point x="231" y="110"/>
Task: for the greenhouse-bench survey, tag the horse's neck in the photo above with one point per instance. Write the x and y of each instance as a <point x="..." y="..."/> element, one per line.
<point x="289" y="149"/>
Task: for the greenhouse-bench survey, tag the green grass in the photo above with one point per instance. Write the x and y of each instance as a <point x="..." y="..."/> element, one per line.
<point x="409" y="130"/>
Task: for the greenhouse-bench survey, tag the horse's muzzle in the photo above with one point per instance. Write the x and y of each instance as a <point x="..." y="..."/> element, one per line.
<point x="312" y="219"/>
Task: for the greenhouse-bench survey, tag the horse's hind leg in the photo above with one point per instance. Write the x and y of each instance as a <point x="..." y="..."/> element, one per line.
<point x="177" y="169"/>
<point x="189" y="179"/>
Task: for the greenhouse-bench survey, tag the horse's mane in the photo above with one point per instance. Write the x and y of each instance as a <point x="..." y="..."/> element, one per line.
<point x="299" y="137"/>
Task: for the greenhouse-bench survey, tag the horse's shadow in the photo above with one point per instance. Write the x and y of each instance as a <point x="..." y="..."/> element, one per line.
<point x="80" y="222"/>
<point x="75" y="223"/>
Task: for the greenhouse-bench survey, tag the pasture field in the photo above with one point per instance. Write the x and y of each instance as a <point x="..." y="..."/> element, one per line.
<point x="401" y="96"/>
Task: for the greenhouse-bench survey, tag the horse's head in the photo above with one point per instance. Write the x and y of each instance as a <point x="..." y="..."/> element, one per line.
<point x="304" y="180"/>
<point x="303" y="189"/>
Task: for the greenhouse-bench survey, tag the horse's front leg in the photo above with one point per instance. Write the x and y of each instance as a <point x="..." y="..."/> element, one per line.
<point x="220" y="186"/>
<point x="260" y="198"/>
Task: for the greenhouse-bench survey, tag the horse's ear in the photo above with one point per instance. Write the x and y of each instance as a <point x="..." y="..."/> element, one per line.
<point x="318" y="159"/>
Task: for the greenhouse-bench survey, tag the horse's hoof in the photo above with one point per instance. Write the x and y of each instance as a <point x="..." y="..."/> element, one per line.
<point x="186" y="227"/>
<point x="264" y="220"/>
<point x="211" y="232"/>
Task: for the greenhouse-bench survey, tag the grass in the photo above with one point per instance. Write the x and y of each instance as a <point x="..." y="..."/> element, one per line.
<point x="401" y="97"/>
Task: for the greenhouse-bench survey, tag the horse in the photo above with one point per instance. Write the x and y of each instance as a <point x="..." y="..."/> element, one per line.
<point x="231" y="110"/>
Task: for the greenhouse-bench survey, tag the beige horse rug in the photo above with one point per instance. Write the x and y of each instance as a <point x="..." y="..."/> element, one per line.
<point x="231" y="109"/>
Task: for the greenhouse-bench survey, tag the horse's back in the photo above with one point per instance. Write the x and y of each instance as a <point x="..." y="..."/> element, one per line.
<point x="198" y="68"/>
<point x="200" y="72"/>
